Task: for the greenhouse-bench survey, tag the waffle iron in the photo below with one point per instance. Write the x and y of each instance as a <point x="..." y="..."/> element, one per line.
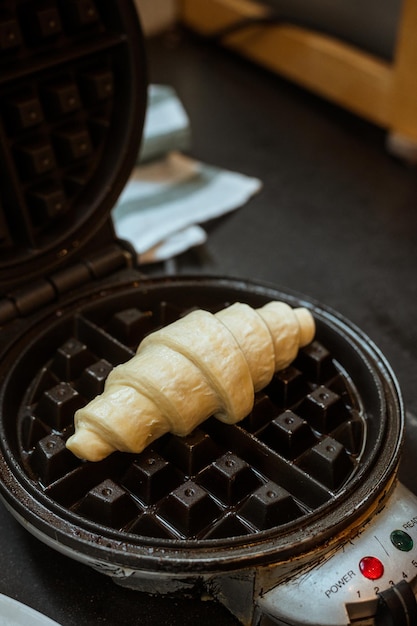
<point x="298" y="501"/>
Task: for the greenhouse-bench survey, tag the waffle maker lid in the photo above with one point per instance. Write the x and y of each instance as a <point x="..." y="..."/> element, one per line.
<point x="72" y="106"/>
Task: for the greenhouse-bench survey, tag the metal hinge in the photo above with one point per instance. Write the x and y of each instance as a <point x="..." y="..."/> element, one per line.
<point x="28" y="300"/>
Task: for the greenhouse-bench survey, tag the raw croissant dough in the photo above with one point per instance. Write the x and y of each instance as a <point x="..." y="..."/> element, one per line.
<point x="200" y="365"/>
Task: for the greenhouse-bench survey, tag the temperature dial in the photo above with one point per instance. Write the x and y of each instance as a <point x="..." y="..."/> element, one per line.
<point x="397" y="606"/>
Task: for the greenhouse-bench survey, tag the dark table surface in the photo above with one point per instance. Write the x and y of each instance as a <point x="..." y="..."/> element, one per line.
<point x="336" y="220"/>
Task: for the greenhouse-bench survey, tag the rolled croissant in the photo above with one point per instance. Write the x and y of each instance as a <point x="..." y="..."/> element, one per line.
<point x="201" y="365"/>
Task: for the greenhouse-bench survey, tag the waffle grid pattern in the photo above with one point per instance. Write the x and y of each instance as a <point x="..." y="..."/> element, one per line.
<point x="292" y="454"/>
<point x="58" y="89"/>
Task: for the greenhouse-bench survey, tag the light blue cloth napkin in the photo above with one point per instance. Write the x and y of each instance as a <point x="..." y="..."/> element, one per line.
<point x="169" y="194"/>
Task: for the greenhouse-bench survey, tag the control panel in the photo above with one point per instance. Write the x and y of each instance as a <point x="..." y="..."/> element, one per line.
<point x="369" y="581"/>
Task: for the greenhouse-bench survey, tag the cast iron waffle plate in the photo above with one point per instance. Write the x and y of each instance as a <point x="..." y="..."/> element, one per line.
<point x="319" y="451"/>
<point x="299" y="446"/>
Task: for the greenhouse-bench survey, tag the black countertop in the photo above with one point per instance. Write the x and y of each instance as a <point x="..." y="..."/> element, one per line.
<point x="336" y="220"/>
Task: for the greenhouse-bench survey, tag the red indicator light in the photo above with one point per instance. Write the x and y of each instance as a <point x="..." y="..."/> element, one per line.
<point x="371" y="567"/>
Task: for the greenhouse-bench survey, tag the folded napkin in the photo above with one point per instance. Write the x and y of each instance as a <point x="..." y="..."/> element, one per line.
<point x="166" y="127"/>
<point x="166" y="199"/>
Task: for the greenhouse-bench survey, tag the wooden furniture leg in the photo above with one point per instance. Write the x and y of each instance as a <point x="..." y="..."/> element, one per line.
<point x="382" y="92"/>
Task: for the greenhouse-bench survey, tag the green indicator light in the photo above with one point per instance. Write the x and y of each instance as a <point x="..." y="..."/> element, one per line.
<point x="401" y="540"/>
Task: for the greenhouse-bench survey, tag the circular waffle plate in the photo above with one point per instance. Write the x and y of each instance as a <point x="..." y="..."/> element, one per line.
<point x="320" y="445"/>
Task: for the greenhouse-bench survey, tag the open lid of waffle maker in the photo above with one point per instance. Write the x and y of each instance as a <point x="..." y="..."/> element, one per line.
<point x="73" y="98"/>
<point x="319" y="451"/>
